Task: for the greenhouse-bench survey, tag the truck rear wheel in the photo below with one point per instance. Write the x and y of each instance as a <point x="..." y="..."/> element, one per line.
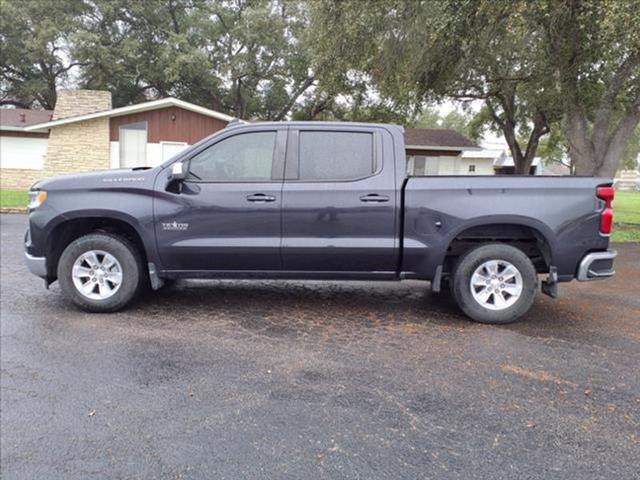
<point x="495" y="283"/>
<point x="100" y="272"/>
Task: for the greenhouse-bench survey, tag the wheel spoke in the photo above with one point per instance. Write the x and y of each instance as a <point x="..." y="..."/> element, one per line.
<point x="88" y="287"/>
<point x="108" y="262"/>
<point x="478" y="279"/>
<point x="492" y="267"/>
<point x="92" y="259"/>
<point x="104" y="289"/>
<point x="499" y="301"/>
<point x="81" y="272"/>
<point x="512" y="289"/>
<point x="114" y="277"/>
<point x="484" y="294"/>
<point x="509" y="272"/>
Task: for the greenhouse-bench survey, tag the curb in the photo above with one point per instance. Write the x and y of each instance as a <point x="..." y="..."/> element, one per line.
<point x="12" y="210"/>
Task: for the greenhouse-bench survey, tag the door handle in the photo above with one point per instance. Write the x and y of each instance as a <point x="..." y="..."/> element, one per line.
<point x="260" y="198"/>
<point x="374" y="198"/>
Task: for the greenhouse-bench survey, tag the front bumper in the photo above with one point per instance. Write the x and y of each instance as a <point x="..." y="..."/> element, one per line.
<point x="597" y="266"/>
<point x="36" y="265"/>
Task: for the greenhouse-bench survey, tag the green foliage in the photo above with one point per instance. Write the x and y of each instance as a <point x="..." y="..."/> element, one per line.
<point x="246" y="58"/>
<point x="459" y="121"/>
<point x="14" y="198"/>
<point x="418" y="52"/>
<point x="626" y="214"/>
<point x="34" y="50"/>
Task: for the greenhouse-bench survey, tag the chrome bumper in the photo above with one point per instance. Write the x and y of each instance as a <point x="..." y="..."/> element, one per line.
<point x="597" y="266"/>
<point x="36" y="265"/>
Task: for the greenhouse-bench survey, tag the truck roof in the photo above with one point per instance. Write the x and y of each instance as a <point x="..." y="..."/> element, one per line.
<point x="306" y="123"/>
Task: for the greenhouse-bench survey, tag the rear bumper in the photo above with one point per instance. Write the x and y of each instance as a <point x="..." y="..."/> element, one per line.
<point x="36" y="265"/>
<point x="597" y="266"/>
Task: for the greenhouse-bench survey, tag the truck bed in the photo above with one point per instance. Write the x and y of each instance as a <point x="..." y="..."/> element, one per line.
<point x="564" y="211"/>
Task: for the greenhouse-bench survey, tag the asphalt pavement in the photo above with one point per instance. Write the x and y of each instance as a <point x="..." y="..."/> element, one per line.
<point x="305" y="380"/>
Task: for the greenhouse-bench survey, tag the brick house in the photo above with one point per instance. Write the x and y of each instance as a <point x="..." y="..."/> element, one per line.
<point x="22" y="153"/>
<point x="84" y="133"/>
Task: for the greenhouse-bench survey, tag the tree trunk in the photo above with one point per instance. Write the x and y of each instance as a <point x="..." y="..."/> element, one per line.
<point x="598" y="153"/>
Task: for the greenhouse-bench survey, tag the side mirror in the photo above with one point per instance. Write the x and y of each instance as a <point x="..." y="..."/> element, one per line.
<point x="178" y="171"/>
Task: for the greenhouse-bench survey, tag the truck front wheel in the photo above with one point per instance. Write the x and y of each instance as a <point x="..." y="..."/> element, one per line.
<point x="100" y="272"/>
<point x="495" y="283"/>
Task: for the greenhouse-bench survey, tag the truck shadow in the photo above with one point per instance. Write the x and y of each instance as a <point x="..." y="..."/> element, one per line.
<point x="290" y="308"/>
<point x="258" y="303"/>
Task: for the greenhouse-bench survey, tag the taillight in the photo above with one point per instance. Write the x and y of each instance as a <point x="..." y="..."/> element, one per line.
<point x="606" y="194"/>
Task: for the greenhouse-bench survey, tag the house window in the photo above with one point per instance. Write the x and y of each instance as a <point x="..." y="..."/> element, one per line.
<point x="133" y="145"/>
<point x="432" y="166"/>
<point x="419" y="166"/>
<point x="472" y="169"/>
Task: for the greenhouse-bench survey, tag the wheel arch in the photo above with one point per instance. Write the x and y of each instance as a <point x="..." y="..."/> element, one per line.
<point x="73" y="225"/>
<point x="532" y="236"/>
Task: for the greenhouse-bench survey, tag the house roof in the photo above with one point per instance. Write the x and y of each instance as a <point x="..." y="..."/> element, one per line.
<point x="492" y="154"/>
<point x="140" y="107"/>
<point x="17" y="119"/>
<point x="436" y="139"/>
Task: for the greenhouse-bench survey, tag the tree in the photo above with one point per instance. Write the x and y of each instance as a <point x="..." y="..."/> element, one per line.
<point x="245" y="58"/>
<point x="535" y="65"/>
<point x="461" y="122"/>
<point x="594" y="48"/>
<point x="34" y="50"/>
<point x="416" y="52"/>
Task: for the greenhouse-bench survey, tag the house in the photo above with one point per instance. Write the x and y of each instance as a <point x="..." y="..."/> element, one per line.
<point x="483" y="160"/>
<point x="85" y="133"/>
<point x="22" y="153"/>
<point x="439" y="151"/>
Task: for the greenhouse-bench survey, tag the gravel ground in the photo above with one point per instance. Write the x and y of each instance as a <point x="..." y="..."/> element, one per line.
<point x="235" y="379"/>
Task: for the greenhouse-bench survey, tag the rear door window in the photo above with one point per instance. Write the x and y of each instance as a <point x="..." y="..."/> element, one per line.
<point x="339" y="156"/>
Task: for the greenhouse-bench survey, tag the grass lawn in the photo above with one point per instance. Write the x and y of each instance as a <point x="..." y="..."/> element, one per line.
<point x="13" y="198"/>
<point x="626" y="217"/>
<point x="626" y="212"/>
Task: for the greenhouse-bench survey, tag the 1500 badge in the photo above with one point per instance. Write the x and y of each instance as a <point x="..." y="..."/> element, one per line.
<point x="174" y="226"/>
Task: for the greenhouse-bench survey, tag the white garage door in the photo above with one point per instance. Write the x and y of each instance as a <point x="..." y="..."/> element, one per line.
<point x="169" y="149"/>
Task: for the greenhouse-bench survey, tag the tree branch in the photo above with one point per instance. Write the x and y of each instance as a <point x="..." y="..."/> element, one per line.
<point x="294" y="97"/>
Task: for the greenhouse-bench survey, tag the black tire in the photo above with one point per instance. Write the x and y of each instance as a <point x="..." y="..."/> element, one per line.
<point x="473" y="259"/>
<point x="124" y="252"/>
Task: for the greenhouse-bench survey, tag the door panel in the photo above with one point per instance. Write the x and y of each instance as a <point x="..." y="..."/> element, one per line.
<point x="232" y="224"/>
<point x="339" y="226"/>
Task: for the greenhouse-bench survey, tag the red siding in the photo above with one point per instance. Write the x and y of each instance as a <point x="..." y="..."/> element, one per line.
<point x="188" y="126"/>
<point x="10" y="133"/>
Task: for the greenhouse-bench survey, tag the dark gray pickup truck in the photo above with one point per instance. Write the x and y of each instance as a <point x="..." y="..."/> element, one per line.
<point x="330" y="201"/>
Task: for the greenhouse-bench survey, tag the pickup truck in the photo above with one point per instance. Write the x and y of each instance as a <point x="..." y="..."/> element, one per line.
<point x="317" y="200"/>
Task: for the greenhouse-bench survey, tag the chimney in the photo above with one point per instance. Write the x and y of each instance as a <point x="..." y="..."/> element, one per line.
<point x="71" y="103"/>
<point x="23" y="117"/>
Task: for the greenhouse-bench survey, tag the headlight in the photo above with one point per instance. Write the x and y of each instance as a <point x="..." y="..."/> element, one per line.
<point x="36" y="198"/>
